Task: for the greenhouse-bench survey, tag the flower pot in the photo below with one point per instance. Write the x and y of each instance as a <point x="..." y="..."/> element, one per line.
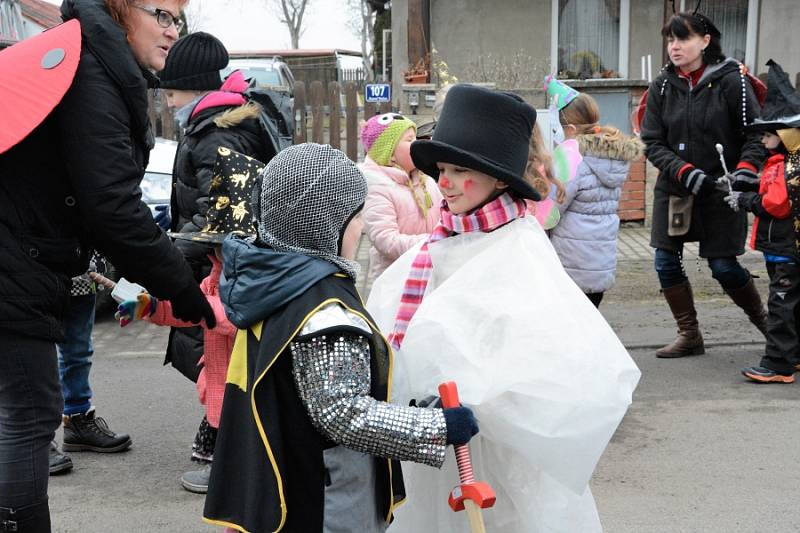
<point x="416" y="78"/>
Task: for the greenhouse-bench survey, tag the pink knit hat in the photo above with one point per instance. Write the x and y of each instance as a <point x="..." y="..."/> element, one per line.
<point x="381" y="133"/>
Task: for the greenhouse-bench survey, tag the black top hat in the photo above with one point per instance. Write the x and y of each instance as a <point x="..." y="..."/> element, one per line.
<point x="229" y="197"/>
<point x="484" y="130"/>
<point x="781" y="107"/>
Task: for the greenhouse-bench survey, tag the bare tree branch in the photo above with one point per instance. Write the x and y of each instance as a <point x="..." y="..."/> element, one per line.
<point x="362" y="24"/>
<point x="292" y="13"/>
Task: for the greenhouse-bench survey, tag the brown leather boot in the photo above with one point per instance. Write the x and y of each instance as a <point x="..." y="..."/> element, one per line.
<point x="689" y="340"/>
<point x="749" y="300"/>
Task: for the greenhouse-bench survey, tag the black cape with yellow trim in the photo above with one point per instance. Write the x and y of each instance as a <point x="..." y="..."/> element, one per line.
<point x="268" y="471"/>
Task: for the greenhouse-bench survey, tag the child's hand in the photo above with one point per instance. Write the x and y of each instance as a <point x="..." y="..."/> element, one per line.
<point x="733" y="200"/>
<point x="130" y="310"/>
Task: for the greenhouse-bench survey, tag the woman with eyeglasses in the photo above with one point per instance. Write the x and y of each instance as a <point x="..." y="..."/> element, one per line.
<point x="69" y="183"/>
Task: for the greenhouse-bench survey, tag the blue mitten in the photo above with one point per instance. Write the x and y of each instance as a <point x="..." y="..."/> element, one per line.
<point x="461" y="425"/>
<point x="162" y="217"/>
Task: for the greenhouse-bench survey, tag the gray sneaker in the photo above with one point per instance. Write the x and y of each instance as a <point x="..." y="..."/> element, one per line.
<point x="197" y="480"/>
<point x="59" y="463"/>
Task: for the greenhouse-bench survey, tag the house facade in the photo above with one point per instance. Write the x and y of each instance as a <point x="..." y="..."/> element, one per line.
<point x="608" y="48"/>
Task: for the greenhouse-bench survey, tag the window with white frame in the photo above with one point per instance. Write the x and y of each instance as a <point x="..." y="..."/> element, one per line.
<point x="730" y="18"/>
<point x="590" y="38"/>
<point x="736" y="20"/>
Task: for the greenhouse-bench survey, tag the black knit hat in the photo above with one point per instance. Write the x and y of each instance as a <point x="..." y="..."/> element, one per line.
<point x="782" y="106"/>
<point x="484" y="130"/>
<point x="194" y="62"/>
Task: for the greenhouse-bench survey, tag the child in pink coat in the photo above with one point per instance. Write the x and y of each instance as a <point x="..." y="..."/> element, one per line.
<point x="402" y="205"/>
<point x="218" y="342"/>
<point x="228" y="212"/>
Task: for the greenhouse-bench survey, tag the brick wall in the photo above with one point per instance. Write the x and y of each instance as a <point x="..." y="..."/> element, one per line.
<point x="631" y="202"/>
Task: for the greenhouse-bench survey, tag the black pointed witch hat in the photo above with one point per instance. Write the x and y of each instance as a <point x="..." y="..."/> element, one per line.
<point x="229" y="209"/>
<point x="782" y="106"/>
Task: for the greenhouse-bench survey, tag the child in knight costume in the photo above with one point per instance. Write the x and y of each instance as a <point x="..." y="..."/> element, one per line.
<point x="774" y="229"/>
<point x="485" y="302"/>
<point x="307" y="442"/>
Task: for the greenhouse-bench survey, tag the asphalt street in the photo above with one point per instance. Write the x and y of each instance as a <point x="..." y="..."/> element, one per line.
<point x="700" y="449"/>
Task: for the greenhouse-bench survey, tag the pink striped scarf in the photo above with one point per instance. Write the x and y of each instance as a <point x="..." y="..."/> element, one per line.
<point x="491" y="216"/>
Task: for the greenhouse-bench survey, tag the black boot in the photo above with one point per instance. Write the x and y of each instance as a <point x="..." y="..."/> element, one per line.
<point x="88" y="432"/>
<point x="749" y="300"/>
<point x="59" y="463"/>
<point x="689" y="340"/>
<point x="31" y="519"/>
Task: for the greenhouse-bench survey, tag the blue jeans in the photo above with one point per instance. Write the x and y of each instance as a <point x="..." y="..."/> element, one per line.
<point x="75" y="355"/>
<point x="726" y="270"/>
<point x="30" y="413"/>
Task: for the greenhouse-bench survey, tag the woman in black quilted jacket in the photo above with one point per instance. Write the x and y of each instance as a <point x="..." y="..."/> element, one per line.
<point x="71" y="184"/>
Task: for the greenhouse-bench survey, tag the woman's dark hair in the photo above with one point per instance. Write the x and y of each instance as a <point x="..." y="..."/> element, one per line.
<point x="683" y="25"/>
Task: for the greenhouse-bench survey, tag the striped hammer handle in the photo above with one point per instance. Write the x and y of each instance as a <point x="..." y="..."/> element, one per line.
<point x="449" y="394"/>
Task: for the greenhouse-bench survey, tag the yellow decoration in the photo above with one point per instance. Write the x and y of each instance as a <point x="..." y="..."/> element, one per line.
<point x="239" y="211"/>
<point x="223" y="202"/>
<point x="790" y="138"/>
<point x="237" y="368"/>
<point x="240" y="180"/>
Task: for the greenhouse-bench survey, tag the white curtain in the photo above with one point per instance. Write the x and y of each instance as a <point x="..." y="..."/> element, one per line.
<point x="730" y="18"/>
<point x="588" y="38"/>
<point x="10" y="21"/>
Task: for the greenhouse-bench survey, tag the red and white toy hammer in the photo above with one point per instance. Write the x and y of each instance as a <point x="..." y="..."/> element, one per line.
<point x="470" y="494"/>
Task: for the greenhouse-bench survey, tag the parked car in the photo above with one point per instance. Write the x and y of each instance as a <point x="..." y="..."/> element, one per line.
<point x="156" y="189"/>
<point x="270" y="73"/>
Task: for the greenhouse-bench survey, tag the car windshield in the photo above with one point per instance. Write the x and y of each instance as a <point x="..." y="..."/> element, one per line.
<point x="263" y="77"/>
<point x="156" y="188"/>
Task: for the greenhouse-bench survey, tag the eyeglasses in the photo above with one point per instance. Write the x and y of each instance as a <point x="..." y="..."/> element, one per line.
<point x="164" y="18"/>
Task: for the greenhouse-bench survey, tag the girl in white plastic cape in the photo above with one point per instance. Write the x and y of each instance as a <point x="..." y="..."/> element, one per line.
<point x="485" y="302"/>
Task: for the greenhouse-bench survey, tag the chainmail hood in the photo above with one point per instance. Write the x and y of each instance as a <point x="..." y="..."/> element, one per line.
<point x="309" y="192"/>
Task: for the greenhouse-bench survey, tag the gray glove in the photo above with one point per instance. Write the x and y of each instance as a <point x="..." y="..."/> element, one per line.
<point x="733" y="199"/>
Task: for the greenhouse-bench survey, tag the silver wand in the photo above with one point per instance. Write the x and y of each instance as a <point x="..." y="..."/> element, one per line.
<point x="734" y="205"/>
<point x="721" y="153"/>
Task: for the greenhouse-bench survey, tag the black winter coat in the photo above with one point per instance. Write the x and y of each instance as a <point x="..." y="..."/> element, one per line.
<point x="73" y="185"/>
<point x="773" y="227"/>
<point x="682" y="126"/>
<point x="236" y="128"/>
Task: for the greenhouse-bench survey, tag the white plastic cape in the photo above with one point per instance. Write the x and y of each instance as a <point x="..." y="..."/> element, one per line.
<point x="547" y="378"/>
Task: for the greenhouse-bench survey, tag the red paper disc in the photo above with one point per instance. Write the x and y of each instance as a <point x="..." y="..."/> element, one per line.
<point x="34" y="76"/>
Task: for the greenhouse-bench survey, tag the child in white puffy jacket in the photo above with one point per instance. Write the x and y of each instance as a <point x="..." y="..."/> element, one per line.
<point x="586" y="236"/>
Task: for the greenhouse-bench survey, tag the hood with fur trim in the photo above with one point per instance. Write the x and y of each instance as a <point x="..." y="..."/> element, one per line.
<point x="608" y="157"/>
<point x="621" y="148"/>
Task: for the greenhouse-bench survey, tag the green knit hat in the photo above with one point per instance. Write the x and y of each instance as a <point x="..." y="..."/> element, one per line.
<point x="381" y="133"/>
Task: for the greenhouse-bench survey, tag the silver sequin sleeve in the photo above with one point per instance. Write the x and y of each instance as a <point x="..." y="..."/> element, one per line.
<point x="332" y="376"/>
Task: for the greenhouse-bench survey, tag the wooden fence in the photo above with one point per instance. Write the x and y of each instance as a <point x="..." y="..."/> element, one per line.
<point x="332" y="116"/>
<point x="326" y="116"/>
